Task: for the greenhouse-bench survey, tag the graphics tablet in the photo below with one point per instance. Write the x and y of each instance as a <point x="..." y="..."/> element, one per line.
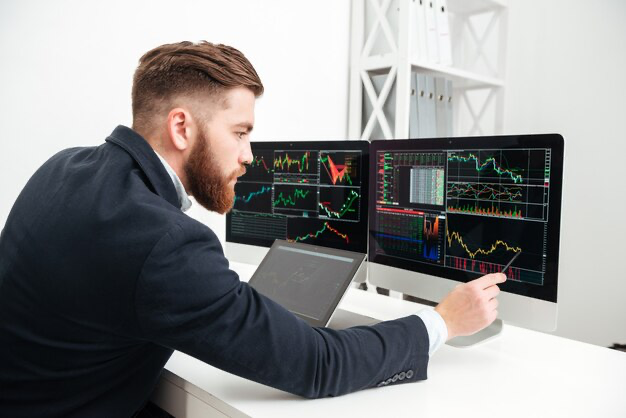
<point x="307" y="280"/>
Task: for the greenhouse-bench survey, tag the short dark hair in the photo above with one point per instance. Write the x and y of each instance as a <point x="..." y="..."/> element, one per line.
<point x="185" y="69"/>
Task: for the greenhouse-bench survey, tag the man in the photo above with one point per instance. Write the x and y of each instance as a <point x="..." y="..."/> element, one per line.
<point x="102" y="275"/>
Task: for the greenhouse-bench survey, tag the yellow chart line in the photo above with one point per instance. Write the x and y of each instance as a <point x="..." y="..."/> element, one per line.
<point x="494" y="246"/>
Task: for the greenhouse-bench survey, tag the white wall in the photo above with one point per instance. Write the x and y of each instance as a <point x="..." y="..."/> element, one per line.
<point x="566" y="71"/>
<point x="66" y="70"/>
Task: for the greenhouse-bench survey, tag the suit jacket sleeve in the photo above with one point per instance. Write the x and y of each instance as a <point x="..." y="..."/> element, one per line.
<point x="189" y="300"/>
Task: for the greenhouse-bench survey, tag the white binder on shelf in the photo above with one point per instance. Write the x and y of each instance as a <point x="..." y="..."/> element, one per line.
<point x="413" y="112"/>
<point x="426" y="105"/>
<point x="429" y="107"/>
<point x="432" y="36"/>
<point x="421" y="31"/>
<point x="422" y="104"/>
<point x="440" y="107"/>
<point x="449" y="109"/>
<point x="443" y="32"/>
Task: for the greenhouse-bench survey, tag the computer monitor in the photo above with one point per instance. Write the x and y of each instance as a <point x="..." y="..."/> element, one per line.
<point x="450" y="210"/>
<point x="315" y="192"/>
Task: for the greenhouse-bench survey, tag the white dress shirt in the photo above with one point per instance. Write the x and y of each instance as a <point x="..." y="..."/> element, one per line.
<point x="183" y="199"/>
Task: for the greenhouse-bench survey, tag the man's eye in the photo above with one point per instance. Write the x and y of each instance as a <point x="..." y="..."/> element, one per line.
<point x="241" y="134"/>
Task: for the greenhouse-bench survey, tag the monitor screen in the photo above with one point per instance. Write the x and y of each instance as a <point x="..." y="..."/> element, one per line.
<point x="463" y="207"/>
<point x="314" y="192"/>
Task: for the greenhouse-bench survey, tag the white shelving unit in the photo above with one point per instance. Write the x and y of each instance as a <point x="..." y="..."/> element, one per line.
<point x="384" y="41"/>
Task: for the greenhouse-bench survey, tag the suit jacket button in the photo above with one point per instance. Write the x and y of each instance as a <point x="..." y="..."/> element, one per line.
<point x="402" y="376"/>
<point x="388" y="381"/>
<point x="409" y="374"/>
<point x="395" y="378"/>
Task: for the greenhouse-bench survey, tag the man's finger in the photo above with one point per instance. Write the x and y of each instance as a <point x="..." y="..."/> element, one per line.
<point x="492" y="305"/>
<point x="489" y="280"/>
<point x="500" y="277"/>
<point x="491" y="292"/>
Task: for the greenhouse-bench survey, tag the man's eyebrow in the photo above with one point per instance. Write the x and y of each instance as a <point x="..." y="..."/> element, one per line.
<point x="246" y="125"/>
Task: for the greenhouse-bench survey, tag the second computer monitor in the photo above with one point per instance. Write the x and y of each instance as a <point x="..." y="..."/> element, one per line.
<point x="314" y="192"/>
<point x="445" y="211"/>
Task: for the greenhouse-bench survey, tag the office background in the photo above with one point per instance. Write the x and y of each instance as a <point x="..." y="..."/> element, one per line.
<point x="66" y="71"/>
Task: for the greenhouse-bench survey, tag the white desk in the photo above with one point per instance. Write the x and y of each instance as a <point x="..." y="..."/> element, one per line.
<point x="521" y="373"/>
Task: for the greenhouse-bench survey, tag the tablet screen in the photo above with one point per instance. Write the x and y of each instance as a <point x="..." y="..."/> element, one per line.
<point x="307" y="280"/>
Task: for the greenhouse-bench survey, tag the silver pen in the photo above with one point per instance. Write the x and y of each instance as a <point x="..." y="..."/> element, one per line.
<point x="511" y="262"/>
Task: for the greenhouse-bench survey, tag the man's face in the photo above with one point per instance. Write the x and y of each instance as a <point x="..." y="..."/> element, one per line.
<point x="220" y="152"/>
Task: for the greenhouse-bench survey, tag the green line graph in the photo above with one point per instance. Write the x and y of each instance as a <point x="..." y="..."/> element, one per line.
<point x="347" y="210"/>
<point x="517" y="178"/>
<point x="290" y="199"/>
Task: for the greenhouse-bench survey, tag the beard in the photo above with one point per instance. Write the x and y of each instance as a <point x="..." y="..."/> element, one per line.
<point x="207" y="184"/>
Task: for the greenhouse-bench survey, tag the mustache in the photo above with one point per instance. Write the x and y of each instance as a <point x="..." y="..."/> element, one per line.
<point x="238" y="173"/>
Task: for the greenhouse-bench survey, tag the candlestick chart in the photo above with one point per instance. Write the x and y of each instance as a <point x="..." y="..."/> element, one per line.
<point x="297" y="162"/>
<point x="499" y="183"/>
<point x="318" y="232"/>
<point x="296" y="167"/>
<point x="339" y="203"/>
<point x="260" y="168"/>
<point x="295" y="199"/>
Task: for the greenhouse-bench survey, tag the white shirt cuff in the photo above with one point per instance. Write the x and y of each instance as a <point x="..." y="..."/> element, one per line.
<point x="436" y="328"/>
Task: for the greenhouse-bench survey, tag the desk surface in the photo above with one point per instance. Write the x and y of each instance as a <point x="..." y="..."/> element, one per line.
<point x="521" y="373"/>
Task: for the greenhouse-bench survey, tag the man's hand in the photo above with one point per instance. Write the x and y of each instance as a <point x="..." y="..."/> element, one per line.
<point x="472" y="306"/>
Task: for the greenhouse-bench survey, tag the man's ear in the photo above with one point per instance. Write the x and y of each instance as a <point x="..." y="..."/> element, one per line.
<point x="180" y="128"/>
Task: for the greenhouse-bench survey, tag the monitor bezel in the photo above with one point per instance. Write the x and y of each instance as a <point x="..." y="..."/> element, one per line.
<point x="555" y="142"/>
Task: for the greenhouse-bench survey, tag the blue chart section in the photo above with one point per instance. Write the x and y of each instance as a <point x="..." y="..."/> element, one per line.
<point x="409" y="234"/>
<point x="253" y="197"/>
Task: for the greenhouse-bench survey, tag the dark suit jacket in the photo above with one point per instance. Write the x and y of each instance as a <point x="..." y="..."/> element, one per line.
<point x="102" y="277"/>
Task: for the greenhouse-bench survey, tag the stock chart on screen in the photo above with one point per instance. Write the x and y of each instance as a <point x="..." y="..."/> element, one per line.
<point x="310" y="191"/>
<point x="463" y="208"/>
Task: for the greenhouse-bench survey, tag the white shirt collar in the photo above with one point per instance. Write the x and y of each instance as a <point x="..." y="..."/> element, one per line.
<point x="183" y="199"/>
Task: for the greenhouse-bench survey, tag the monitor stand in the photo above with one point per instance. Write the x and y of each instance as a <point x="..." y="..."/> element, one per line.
<point x="486" y="334"/>
<point x="342" y="319"/>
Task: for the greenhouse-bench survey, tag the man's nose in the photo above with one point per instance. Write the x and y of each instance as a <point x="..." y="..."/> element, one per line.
<point x="246" y="154"/>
